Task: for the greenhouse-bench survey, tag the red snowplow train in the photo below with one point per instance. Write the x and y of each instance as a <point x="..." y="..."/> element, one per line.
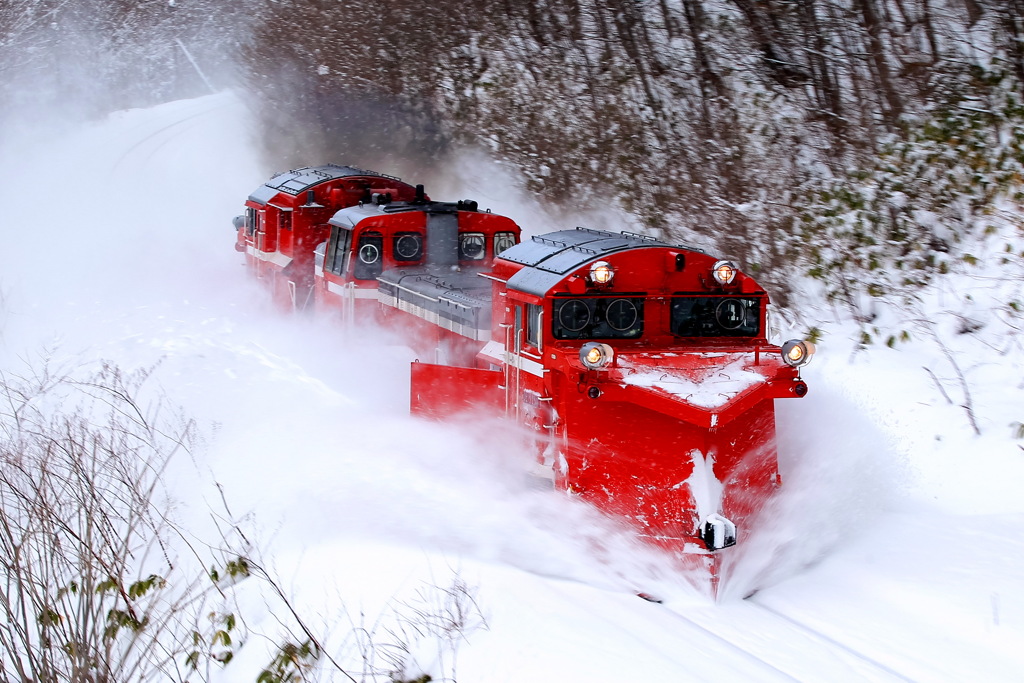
<point x="642" y="370"/>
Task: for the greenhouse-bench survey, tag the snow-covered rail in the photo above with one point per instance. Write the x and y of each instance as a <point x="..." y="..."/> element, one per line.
<point x="886" y="672"/>
<point x="150" y="141"/>
<point x="787" y="648"/>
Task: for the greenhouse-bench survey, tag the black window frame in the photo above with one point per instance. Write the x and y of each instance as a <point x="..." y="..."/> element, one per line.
<point x="397" y="238"/>
<point x="708" y="322"/>
<point x="368" y="270"/>
<point x="337" y="250"/>
<point x="596" y="325"/>
<point x="465" y="236"/>
<point x="534" y="325"/>
<point x="499" y="235"/>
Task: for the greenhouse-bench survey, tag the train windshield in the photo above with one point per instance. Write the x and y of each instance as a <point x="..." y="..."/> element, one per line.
<point x="407" y="246"/>
<point x="598" y="317"/>
<point x="369" y="256"/>
<point x="503" y="240"/>
<point x="472" y="246"/>
<point x="716" y="316"/>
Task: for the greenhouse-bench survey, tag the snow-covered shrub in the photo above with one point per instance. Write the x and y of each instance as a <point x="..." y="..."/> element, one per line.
<point x="913" y="209"/>
<point x="97" y="582"/>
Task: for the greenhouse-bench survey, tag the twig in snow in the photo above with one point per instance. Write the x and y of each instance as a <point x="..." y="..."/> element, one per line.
<point x="942" y="389"/>
<point x="968" y="404"/>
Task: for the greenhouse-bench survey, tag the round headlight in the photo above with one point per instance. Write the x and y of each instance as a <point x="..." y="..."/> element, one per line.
<point x="596" y="355"/>
<point x="797" y="353"/>
<point x="601" y="273"/>
<point x="724" y="272"/>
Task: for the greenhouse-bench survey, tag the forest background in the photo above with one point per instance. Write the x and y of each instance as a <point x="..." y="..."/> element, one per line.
<point x="861" y="142"/>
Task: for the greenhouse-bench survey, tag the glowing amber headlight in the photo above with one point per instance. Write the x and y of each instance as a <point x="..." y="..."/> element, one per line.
<point x="724" y="272"/>
<point x="797" y="353"/>
<point x="601" y="273"/>
<point x="596" y="355"/>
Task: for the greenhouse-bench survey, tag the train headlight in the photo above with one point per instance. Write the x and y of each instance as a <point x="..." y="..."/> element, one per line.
<point x="797" y="353"/>
<point x="724" y="272"/>
<point x="601" y="273"/>
<point x="596" y="355"/>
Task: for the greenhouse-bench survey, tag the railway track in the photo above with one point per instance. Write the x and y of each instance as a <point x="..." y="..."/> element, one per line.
<point x="147" y="146"/>
<point x="785" y="647"/>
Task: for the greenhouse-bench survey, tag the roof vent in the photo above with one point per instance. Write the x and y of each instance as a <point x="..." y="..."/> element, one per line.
<point x="311" y="201"/>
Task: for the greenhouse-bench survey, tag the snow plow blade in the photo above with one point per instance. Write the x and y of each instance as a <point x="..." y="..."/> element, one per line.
<point x="442" y="392"/>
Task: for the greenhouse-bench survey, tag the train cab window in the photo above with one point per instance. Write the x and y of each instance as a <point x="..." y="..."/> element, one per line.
<point x="716" y="316"/>
<point x="407" y="246"/>
<point x="369" y="256"/>
<point x="284" y="220"/>
<point x="472" y="246"/>
<point x="605" y="317"/>
<point x="503" y="240"/>
<point x="257" y="221"/>
<point x="337" y="250"/>
<point x="533" y="325"/>
<point x="250" y="220"/>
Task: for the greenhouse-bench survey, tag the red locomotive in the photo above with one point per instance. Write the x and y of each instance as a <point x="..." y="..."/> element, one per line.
<point x="287" y="217"/>
<point x="644" y="370"/>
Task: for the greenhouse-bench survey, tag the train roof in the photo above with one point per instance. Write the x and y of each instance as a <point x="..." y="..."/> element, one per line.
<point x="550" y="257"/>
<point x="299" y="180"/>
<point x="348" y="217"/>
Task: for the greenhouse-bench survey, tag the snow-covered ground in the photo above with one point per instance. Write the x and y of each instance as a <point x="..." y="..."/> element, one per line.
<point x="895" y="553"/>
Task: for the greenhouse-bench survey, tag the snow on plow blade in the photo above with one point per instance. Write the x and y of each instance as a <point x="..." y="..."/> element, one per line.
<point x="682" y="446"/>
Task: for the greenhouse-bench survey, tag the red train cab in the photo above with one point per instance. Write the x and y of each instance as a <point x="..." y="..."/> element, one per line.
<point x="414" y="267"/>
<point x="647" y="374"/>
<point x="287" y="217"/>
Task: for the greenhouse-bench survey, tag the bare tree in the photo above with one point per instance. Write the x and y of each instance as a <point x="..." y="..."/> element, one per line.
<point x="93" y="588"/>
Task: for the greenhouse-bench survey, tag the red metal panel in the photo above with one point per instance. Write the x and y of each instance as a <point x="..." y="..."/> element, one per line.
<point x="443" y="392"/>
<point x="639" y="464"/>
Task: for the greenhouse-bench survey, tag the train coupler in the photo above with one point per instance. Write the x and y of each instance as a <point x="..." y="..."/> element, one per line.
<point x="717" y="532"/>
